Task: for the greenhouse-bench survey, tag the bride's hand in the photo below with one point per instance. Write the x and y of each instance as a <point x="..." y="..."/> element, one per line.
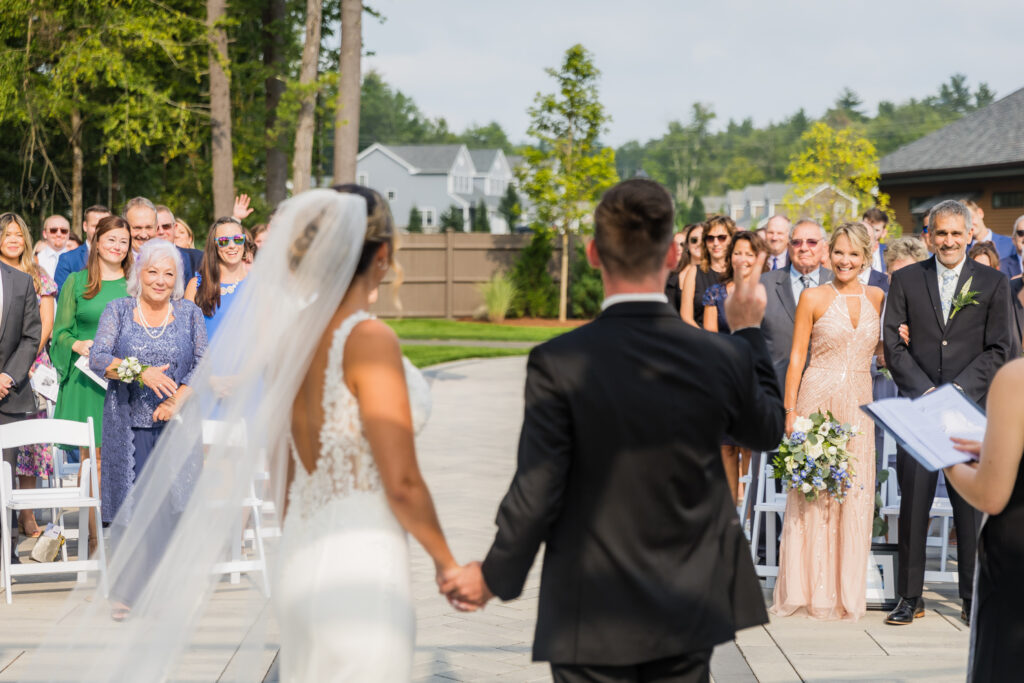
<point x="448" y="576"/>
<point x="790" y="419"/>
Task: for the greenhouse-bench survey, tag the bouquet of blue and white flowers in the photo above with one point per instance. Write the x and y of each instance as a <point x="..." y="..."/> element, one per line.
<point x="813" y="458"/>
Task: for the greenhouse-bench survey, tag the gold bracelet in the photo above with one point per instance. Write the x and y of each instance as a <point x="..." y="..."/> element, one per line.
<point x="788" y="411"/>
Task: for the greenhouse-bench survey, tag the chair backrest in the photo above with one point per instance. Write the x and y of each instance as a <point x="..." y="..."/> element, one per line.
<point x="48" y="430"/>
<point x="893" y="497"/>
<point x="768" y="490"/>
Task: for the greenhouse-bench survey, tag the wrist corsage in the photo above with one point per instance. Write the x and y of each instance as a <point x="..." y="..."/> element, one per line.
<point x="130" y="370"/>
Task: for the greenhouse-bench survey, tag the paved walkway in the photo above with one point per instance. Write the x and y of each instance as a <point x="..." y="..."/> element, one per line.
<point x="468" y="456"/>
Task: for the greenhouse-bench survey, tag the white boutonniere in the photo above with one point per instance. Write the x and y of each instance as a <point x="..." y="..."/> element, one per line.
<point x="966" y="297"/>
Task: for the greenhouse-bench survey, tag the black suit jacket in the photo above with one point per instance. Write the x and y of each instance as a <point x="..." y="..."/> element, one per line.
<point x="19" y="338"/>
<point x="192" y="260"/>
<point x="1016" y="284"/>
<point x="620" y="476"/>
<point x="966" y="350"/>
<point x="779" y="317"/>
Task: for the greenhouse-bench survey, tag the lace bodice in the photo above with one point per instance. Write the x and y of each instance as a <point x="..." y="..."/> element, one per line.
<point x="839" y="346"/>
<point x="345" y="463"/>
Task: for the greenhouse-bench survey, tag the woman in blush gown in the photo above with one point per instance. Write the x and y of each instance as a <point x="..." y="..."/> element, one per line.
<point x="825" y="544"/>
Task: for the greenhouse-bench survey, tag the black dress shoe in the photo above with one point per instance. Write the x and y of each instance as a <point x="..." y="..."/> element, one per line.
<point x="905" y="612"/>
<point x="965" y="613"/>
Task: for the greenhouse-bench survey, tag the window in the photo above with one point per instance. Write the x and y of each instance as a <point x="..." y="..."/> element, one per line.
<point x="428" y="217"/>
<point x="1007" y="200"/>
<point x="391" y="195"/>
<point x="363" y="178"/>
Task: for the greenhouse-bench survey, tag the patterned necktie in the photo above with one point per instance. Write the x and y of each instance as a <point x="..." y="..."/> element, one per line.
<point x="775" y="262"/>
<point x="946" y="291"/>
<point x="806" y="281"/>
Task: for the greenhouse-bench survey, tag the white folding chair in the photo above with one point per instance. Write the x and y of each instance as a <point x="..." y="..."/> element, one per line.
<point x="84" y="496"/>
<point x="234" y="435"/>
<point x="769" y="503"/>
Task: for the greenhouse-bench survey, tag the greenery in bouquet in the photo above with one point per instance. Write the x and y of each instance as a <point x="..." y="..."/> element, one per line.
<point x="813" y="459"/>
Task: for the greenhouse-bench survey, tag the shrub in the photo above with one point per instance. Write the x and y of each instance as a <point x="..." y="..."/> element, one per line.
<point x="586" y="291"/>
<point x="498" y="293"/>
<point x="536" y="292"/>
<point x="415" y="220"/>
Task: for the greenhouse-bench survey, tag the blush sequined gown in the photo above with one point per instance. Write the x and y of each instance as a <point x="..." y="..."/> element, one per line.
<point x="825" y="544"/>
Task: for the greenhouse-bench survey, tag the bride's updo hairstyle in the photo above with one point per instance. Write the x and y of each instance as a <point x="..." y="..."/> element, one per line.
<point x="380" y="229"/>
<point x="859" y="238"/>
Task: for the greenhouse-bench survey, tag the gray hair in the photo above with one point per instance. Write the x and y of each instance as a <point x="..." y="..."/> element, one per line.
<point x="161" y="207"/>
<point x="905" y="248"/>
<point x="137" y="202"/>
<point x="808" y="221"/>
<point x="1016" y="223"/>
<point x="950" y="207"/>
<point x="156" y="250"/>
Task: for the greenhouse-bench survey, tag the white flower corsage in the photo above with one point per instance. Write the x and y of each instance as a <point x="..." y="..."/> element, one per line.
<point x="130" y="370"/>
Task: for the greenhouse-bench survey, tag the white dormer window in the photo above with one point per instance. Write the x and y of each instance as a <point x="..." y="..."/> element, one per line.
<point x="363" y="178"/>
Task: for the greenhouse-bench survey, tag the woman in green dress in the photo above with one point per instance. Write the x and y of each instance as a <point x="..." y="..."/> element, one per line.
<point x="82" y="299"/>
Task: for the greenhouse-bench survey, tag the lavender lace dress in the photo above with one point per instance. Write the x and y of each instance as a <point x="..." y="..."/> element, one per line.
<point x="130" y="407"/>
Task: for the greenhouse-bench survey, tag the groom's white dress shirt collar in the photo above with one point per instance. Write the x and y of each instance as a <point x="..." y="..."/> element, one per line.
<point x="639" y="296"/>
<point x="940" y="269"/>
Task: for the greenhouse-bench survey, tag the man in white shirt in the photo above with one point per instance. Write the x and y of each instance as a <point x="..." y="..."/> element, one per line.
<point x="56" y="230"/>
<point x="776" y="235"/>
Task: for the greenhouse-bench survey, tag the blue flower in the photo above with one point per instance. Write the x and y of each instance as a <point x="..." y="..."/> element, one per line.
<point x="797" y="438"/>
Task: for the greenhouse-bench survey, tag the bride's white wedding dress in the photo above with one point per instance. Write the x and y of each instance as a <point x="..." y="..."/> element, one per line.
<point x="342" y="590"/>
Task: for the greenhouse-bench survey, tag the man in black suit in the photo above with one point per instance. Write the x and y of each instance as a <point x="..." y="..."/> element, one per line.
<point x="646" y="567"/>
<point x="951" y="341"/>
<point x="20" y="330"/>
<point x="141" y="215"/>
<point x="1013" y="264"/>
<point x="191" y="259"/>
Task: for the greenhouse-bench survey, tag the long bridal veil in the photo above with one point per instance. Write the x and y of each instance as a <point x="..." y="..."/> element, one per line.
<point x="187" y="509"/>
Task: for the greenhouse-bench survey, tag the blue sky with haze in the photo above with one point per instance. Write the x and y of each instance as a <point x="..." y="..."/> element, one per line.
<point x="473" y="61"/>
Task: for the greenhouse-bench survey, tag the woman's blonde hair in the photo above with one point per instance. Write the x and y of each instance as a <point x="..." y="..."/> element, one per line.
<point x="26" y="262"/>
<point x="859" y="238"/>
<point x="709" y="225"/>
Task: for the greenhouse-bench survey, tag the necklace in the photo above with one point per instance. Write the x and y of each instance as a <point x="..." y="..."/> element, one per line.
<point x="145" y="325"/>
<point x="228" y="289"/>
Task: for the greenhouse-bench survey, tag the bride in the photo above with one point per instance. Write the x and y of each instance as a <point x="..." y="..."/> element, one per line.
<point x="321" y="406"/>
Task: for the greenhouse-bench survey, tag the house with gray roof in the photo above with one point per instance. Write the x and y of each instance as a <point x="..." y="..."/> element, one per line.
<point x="980" y="157"/>
<point x="433" y="178"/>
<point x="750" y="207"/>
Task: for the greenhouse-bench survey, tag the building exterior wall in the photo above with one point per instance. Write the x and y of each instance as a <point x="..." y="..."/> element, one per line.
<point x="903" y="196"/>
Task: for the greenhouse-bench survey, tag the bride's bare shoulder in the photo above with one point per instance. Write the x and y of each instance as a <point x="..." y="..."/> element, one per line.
<point x="373" y="340"/>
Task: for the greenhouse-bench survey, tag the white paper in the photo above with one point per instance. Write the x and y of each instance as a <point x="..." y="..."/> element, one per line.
<point x="45" y="382"/>
<point x="83" y="364"/>
<point x="926" y="424"/>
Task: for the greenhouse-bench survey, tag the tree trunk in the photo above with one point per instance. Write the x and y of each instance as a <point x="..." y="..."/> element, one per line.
<point x="346" y="121"/>
<point x="274" y="16"/>
<point x="220" y="111"/>
<point x="302" y="162"/>
<point x="563" y="286"/>
<point x="76" y="171"/>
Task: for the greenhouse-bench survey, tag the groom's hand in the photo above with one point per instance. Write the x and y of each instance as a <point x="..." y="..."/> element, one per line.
<point x="467" y="587"/>
<point x="745" y="306"/>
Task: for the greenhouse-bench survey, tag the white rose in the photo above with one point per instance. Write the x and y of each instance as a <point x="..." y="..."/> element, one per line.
<point x="805" y="487"/>
<point x="814" y="449"/>
<point x="803" y="424"/>
<point x="843" y="466"/>
<point x="789" y="465"/>
<point x="832" y="450"/>
<point x="823" y="429"/>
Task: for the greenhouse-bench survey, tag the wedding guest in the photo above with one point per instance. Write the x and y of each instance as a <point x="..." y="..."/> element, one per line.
<point x="165" y="222"/>
<point x="995" y="486"/>
<point x="718" y="231"/>
<point x="876" y="221"/>
<point x="985" y="254"/>
<point x="183" y="236"/>
<point x="249" y="253"/>
<point x="82" y="300"/>
<point x="222" y="274"/>
<point x="672" y="290"/>
<point x="56" y="230"/>
<point x="259" y="234"/>
<point x="40" y="245"/>
<point x="981" y="233"/>
<point x="15" y="251"/>
<point x="740" y="259"/>
<point x="1013" y="265"/>
<point x="1017" y="301"/>
<point x="825" y="543"/>
<point x="961" y="344"/>
<point x="73" y="243"/>
<point x="141" y="216"/>
<point x="776" y="236"/>
<point x="155" y="326"/>
<point x="903" y="251"/>
<point x="76" y="259"/>
<point x="692" y="248"/>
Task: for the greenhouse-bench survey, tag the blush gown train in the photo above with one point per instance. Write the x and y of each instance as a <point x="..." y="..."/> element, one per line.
<point x="825" y="545"/>
<point x="342" y="591"/>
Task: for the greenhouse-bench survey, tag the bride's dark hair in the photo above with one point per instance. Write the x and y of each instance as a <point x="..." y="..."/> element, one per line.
<point x="380" y="226"/>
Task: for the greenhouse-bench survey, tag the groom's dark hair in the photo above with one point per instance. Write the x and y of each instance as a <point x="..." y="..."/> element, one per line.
<point x="633" y="227"/>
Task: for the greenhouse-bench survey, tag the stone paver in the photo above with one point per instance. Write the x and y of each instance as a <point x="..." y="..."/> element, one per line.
<point x="467" y="454"/>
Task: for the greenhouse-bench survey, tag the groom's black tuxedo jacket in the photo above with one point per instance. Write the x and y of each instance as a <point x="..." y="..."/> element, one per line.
<point x="620" y="475"/>
<point x="965" y="350"/>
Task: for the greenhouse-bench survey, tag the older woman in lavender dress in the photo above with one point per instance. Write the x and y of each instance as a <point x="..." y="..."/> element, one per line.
<point x="156" y="326"/>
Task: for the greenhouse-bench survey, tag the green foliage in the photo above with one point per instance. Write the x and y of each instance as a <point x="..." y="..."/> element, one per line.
<point x="499" y="292"/>
<point x="424" y="355"/>
<point x="510" y="208"/>
<point x="452" y="219"/>
<point x="491" y="136"/>
<point x="439" y="328"/>
<point x="586" y="291"/>
<point x="415" y="220"/>
<point x="536" y="293"/>
<point x="478" y="219"/>
<point x="697" y="214"/>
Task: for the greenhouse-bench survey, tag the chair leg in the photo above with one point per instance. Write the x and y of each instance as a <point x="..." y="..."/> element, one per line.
<point x="236" y="548"/>
<point x="5" y="533"/>
<point x="83" y="539"/>
<point x="769" y="541"/>
<point x="257" y="530"/>
<point x="101" y="554"/>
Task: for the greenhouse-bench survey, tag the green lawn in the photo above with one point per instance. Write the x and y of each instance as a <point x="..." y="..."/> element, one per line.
<point x="423" y="355"/>
<point x="433" y="328"/>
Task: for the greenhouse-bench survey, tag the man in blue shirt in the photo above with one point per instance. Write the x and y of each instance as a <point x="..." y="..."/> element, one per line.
<point x="75" y="260"/>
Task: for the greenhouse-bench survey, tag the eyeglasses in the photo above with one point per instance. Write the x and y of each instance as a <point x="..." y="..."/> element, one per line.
<point x="1020" y="233"/>
<point x="165" y="226"/>
<point x="62" y="231"/>
<point x="222" y="242"/>
<point x="694" y="240"/>
<point x="812" y="243"/>
<point x="716" y="238"/>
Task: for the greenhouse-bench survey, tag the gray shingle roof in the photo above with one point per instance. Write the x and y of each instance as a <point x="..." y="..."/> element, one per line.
<point x="989" y="136"/>
<point x="483" y="158"/>
<point x="427" y="158"/>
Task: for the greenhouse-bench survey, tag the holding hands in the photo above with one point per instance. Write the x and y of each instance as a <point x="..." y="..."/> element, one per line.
<point x="465" y="587"/>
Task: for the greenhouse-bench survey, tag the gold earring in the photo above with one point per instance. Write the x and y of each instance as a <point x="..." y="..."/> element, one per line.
<point x="383" y="265"/>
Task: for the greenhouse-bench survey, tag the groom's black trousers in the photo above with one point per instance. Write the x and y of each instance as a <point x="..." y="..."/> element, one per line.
<point x="692" y="667"/>
<point x="917" y="491"/>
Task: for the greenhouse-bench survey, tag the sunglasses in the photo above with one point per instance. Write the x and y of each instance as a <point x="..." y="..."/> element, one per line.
<point x="799" y="243"/>
<point x="1020" y="233"/>
<point x="716" y="238"/>
<point x="62" y="231"/>
<point x="222" y="242"/>
<point x="165" y="226"/>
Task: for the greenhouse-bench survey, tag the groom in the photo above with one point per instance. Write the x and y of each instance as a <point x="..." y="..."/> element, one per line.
<point x="959" y="316"/>
<point x="646" y="567"/>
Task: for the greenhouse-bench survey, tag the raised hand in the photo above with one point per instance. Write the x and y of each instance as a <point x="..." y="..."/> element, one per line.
<point x="745" y="306"/>
<point x="467" y="587"/>
<point x="242" y="209"/>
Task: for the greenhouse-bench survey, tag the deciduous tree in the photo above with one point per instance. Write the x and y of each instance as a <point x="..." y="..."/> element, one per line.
<point x="302" y="161"/>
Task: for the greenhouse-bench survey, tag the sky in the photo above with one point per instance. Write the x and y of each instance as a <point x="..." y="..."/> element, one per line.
<point x="474" y="61"/>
